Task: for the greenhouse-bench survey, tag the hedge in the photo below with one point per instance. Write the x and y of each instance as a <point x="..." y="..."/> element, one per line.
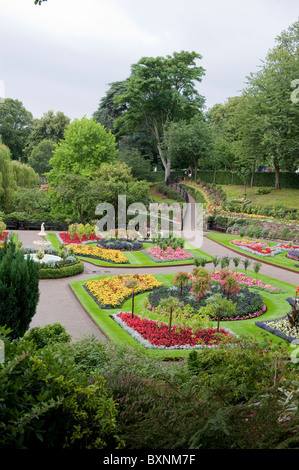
<point x="65" y="271"/>
<point x="287" y="180"/>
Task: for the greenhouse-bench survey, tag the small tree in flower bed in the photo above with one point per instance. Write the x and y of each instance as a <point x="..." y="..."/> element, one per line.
<point x="200" y="282"/>
<point x="219" y="307"/>
<point x="229" y="285"/>
<point x="181" y="279"/>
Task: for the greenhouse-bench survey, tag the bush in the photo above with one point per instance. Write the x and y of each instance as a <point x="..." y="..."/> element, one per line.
<point x="19" y="291"/>
<point x="47" y="403"/>
<point x="48" y="335"/>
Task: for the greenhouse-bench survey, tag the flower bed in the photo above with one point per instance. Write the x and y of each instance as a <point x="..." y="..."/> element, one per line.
<point x="111" y="292"/>
<point x="293" y="254"/>
<point x="156" y="334"/>
<point x="120" y="244"/>
<point x="66" y="238"/>
<point x="249" y="304"/>
<point x="281" y="328"/>
<point x="159" y="255"/>
<point x="111" y="256"/>
<point x="257" y="247"/>
<point x="248" y="281"/>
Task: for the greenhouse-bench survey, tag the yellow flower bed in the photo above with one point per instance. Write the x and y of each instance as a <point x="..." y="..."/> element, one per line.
<point x="111" y="291"/>
<point x="112" y="256"/>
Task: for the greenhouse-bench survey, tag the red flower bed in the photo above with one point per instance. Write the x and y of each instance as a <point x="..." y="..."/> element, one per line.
<point x="158" y="334"/>
<point x="66" y="238"/>
<point x="5" y="235"/>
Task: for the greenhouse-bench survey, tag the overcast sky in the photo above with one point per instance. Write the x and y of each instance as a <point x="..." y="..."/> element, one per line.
<point x="62" y="55"/>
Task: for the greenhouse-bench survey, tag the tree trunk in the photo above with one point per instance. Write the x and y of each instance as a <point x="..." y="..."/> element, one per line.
<point x="195" y="169"/>
<point x="214" y="178"/>
<point x="252" y="176"/>
<point x="277" y="174"/>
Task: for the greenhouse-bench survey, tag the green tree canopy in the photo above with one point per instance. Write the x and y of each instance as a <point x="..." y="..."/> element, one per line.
<point x="272" y="88"/>
<point x="160" y="90"/>
<point x="188" y="142"/>
<point x="15" y="126"/>
<point x="41" y="155"/>
<point x="85" y="147"/>
<point x="49" y="127"/>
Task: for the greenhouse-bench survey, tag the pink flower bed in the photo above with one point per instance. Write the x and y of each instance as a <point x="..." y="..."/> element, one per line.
<point x="158" y="334"/>
<point x="247" y="280"/>
<point x="66" y="238"/>
<point x="169" y="254"/>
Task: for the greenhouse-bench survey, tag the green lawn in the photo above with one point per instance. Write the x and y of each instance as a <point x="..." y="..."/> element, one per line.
<point x="288" y="198"/>
<point x="277" y="307"/>
<point x="279" y="260"/>
<point x="137" y="258"/>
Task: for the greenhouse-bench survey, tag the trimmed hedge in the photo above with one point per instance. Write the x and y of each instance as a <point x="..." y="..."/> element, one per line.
<point x="65" y="271"/>
<point x="263" y="179"/>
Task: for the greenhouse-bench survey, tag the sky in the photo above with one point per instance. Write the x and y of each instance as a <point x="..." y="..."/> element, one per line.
<point x="63" y="54"/>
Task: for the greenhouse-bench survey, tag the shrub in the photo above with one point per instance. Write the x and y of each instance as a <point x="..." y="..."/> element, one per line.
<point x="48" y="335"/>
<point x="19" y="291"/>
<point x="47" y="403"/>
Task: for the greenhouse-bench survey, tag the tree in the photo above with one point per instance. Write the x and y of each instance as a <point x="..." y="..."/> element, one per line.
<point x="19" y="291"/>
<point x="50" y="127"/>
<point x="15" y="126"/>
<point x="140" y="167"/>
<point x="188" y="142"/>
<point x="85" y="147"/>
<point x="271" y="88"/>
<point x="160" y="90"/>
<point x="7" y="179"/>
<point x="40" y="156"/>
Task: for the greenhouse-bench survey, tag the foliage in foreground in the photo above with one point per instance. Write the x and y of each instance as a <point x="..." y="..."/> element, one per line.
<point x="88" y="394"/>
<point x="47" y="402"/>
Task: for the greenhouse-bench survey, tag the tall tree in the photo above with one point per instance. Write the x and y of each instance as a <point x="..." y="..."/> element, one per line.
<point x="272" y="88"/>
<point x="160" y="90"/>
<point x="15" y="126"/>
<point x="49" y="127"/>
<point x="188" y="142"/>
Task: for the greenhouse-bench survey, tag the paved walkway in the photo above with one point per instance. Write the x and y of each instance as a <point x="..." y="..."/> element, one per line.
<point x="57" y="302"/>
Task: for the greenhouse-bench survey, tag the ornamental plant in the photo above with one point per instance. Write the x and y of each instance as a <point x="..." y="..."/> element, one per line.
<point x="256" y="267"/>
<point x="181" y="279"/>
<point x="19" y="291"/>
<point x="219" y="307"/>
<point x="200" y="282"/>
<point x="246" y="262"/>
<point x="229" y="285"/>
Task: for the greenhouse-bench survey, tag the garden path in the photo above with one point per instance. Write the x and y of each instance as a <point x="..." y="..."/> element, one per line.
<point x="57" y="302"/>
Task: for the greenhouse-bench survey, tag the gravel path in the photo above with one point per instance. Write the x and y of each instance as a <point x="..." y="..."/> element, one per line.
<point x="57" y="303"/>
